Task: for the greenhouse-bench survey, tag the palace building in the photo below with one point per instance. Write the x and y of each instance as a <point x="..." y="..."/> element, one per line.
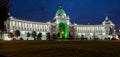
<point x="61" y="27"/>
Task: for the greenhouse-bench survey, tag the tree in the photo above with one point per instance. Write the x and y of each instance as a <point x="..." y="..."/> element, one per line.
<point x="39" y="36"/>
<point x="4" y="8"/>
<point x="21" y="38"/>
<point x="82" y="37"/>
<point x="10" y="35"/>
<point x="28" y="35"/>
<point x="71" y="35"/>
<point x="34" y="35"/>
<point x="16" y="33"/>
<point x="48" y="35"/>
<point x="119" y="34"/>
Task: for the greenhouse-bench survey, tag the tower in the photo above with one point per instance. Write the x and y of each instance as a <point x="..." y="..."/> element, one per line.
<point x="61" y="24"/>
<point x="61" y="16"/>
<point x="109" y="26"/>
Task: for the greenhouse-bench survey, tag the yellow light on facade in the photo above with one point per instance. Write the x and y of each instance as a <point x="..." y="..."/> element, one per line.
<point x="63" y="32"/>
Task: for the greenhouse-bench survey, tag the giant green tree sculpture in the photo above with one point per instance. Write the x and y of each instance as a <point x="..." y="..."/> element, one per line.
<point x="63" y="30"/>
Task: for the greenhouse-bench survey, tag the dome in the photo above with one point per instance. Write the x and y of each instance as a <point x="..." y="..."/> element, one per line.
<point x="60" y="11"/>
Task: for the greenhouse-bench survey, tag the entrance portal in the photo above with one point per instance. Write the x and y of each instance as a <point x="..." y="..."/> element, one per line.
<point x="63" y="30"/>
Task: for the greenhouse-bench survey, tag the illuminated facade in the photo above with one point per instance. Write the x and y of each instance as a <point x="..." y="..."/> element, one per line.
<point x="61" y="27"/>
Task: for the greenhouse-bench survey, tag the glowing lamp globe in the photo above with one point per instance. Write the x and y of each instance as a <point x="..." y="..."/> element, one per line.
<point x="62" y="32"/>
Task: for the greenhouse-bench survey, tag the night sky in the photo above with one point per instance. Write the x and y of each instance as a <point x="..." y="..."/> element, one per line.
<point x="80" y="11"/>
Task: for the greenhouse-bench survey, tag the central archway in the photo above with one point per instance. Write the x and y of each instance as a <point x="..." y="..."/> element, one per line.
<point x="63" y="30"/>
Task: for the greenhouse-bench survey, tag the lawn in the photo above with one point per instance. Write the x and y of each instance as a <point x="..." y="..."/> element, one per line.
<point x="60" y="48"/>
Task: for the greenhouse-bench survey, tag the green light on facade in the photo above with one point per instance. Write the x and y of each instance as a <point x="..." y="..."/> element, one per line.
<point x="63" y="30"/>
<point x="60" y="11"/>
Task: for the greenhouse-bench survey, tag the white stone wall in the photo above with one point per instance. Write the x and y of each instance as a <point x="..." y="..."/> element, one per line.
<point x="28" y="26"/>
<point x="89" y="30"/>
